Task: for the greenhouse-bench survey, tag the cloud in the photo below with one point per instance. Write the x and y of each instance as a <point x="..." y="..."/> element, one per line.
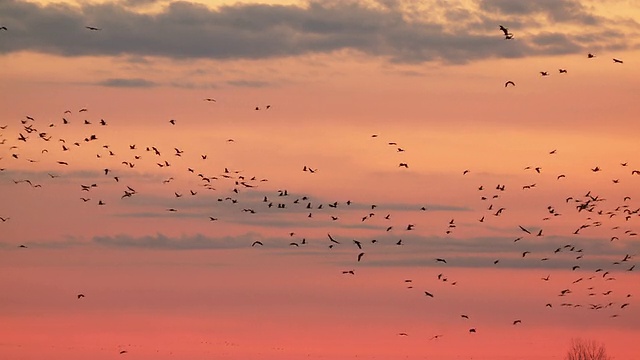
<point x="188" y="30"/>
<point x="555" y="10"/>
<point x="160" y="241"/>
<point x="248" y="83"/>
<point x="129" y="83"/>
<point x="417" y="251"/>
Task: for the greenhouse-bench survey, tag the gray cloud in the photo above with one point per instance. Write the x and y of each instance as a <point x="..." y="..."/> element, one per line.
<point x="186" y="30"/>
<point x="555" y="10"/>
<point x="129" y="83"/>
<point x="160" y="241"/>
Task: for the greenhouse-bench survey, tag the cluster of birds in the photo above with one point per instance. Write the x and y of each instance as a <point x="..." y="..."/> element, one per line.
<point x="55" y="150"/>
<point x="508" y="36"/>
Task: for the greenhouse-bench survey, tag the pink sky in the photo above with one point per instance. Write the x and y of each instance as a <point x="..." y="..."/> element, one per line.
<point x="173" y="284"/>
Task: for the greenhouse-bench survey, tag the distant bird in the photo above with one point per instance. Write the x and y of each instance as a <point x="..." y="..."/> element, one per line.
<point x="360" y="256"/>
<point x="80" y="296"/>
<point x="23" y="246"/>
<point x="516" y="322"/>
<point x="509" y="83"/>
<point x="93" y="28"/>
<point x="617" y="61"/>
<point x="505" y="31"/>
<point x="562" y="71"/>
<point x="472" y="330"/>
<point x="257" y="243"/>
<point x="210" y="99"/>
<point x="441" y="260"/>
<point x="428" y="294"/>
<point x="544" y="73"/>
<point x="334" y="241"/>
<point x="590" y="56"/>
<point x="4" y="28"/>
<point x="172" y="121"/>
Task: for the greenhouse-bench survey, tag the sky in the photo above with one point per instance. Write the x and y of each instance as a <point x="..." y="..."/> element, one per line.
<point x="318" y="179"/>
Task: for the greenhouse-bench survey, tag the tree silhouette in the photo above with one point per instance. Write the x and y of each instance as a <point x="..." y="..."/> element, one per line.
<point x="586" y="350"/>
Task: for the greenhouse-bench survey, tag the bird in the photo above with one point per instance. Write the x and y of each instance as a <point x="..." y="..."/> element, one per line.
<point x="80" y="296"/>
<point x="617" y="61"/>
<point x="360" y="256"/>
<point x="516" y="322"/>
<point x="426" y="293"/>
<point x="172" y="121"/>
<point x="590" y="56"/>
<point x="505" y="31"/>
<point x="562" y="71"/>
<point x="4" y="28"/>
<point x="544" y="73"/>
<point x="509" y="83"/>
<point x="257" y="243"/>
<point x="335" y="241"/>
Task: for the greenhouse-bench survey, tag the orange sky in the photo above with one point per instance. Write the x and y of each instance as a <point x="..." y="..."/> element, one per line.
<point x="427" y="80"/>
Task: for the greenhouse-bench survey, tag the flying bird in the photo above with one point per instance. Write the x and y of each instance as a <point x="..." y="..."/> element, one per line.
<point x="92" y="28"/>
<point x="509" y="83"/>
<point x="334" y="241"/>
<point x="617" y="61"/>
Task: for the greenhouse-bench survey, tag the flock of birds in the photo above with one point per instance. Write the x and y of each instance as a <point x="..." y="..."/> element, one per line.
<point x="56" y="152"/>
<point x="508" y="36"/>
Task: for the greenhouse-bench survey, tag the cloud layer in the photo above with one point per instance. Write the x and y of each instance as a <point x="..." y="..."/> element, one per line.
<point x="392" y="30"/>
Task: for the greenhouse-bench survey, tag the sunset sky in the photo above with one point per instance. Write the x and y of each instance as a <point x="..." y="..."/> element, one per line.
<point x="512" y="210"/>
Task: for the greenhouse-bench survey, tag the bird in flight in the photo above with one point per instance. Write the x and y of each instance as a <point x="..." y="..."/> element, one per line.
<point x="335" y="241"/>
<point x="4" y="28"/>
<point x="617" y="61"/>
<point x="93" y="28"/>
<point x="505" y="31"/>
<point x="80" y="296"/>
<point x="509" y="83"/>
